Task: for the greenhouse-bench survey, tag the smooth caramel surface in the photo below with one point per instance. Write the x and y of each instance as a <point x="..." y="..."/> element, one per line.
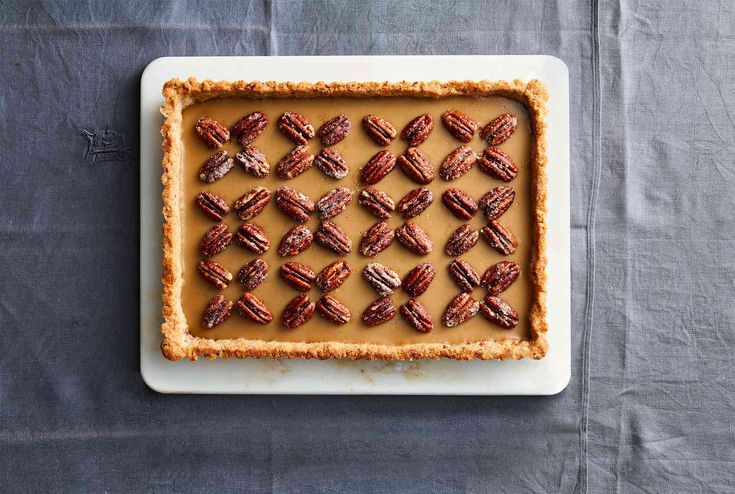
<point x="357" y="149"/>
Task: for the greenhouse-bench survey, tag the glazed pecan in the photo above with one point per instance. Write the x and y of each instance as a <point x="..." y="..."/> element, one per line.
<point x="460" y="125"/>
<point x="334" y="130"/>
<point x="497" y="201"/>
<point x="295" y="241"/>
<point x="293" y="203"/>
<point x="376" y="239"/>
<point x="296" y="127"/>
<point x="378" y="129"/>
<point x="253" y="238"/>
<point x="217" y="166"/>
<point x="383" y="279"/>
<point x="252" y="161"/>
<point x="215" y="240"/>
<point x="496" y="163"/>
<point x="497" y="311"/>
<point x="499" y="238"/>
<point x="464" y="275"/>
<point x="296" y="162"/>
<point x="380" y="311"/>
<point x="252" y="203"/>
<point x="418" y="130"/>
<point x="297" y="275"/>
<point x="499" y="277"/>
<point x="213" y="133"/>
<point x="459" y="203"/>
<point x="462" y="240"/>
<point x="298" y="312"/>
<point x="460" y="308"/>
<point x="377" y="167"/>
<point x="416" y="166"/>
<point x="254" y="309"/>
<point x="332" y="277"/>
<point x="212" y="205"/>
<point x="331" y="163"/>
<point x="416" y="315"/>
<point x="415" y="202"/>
<point x="252" y="274"/>
<point x="218" y="311"/>
<point x="376" y="202"/>
<point x="457" y="163"/>
<point x="414" y="238"/>
<point x="330" y="236"/>
<point x="333" y="203"/>
<point x="249" y="127"/>
<point x="333" y="310"/>
<point x="215" y="273"/>
<point x="499" y="129"/>
<point x="417" y="281"/>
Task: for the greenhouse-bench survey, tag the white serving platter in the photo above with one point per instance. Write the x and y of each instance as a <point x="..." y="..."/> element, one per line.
<point x="443" y="377"/>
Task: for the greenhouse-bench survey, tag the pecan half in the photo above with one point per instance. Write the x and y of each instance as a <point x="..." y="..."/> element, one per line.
<point x="378" y="129"/>
<point x="462" y="240"/>
<point x="376" y="239"/>
<point x="383" y="279"/>
<point x="218" y="311"/>
<point x="496" y="163"/>
<point x="497" y="201"/>
<point x="249" y="127"/>
<point x="417" y="281"/>
<point x="416" y="315"/>
<point x="333" y="203"/>
<point x="333" y="310"/>
<point x="330" y="236"/>
<point x="252" y="203"/>
<point x="254" y="309"/>
<point x="334" y="130"/>
<point x="459" y="203"/>
<point x="296" y="162"/>
<point x="332" y="277"/>
<point x="212" y="205"/>
<point x="499" y="238"/>
<point x="457" y="163"/>
<point x="415" y="202"/>
<point x="253" y="238"/>
<point x="215" y="240"/>
<point x="498" y="130"/>
<point x="296" y="127"/>
<point x="377" y="167"/>
<point x="460" y="125"/>
<point x="499" y="277"/>
<point x="294" y="204"/>
<point x="297" y="275"/>
<point x="418" y="129"/>
<point x="414" y="238"/>
<point x="331" y="163"/>
<point x="217" y="166"/>
<point x="376" y="202"/>
<point x="416" y="166"/>
<point x="213" y="133"/>
<point x="215" y="273"/>
<point x="253" y="162"/>
<point x="461" y="308"/>
<point x="464" y="275"/>
<point x="298" y="312"/>
<point x="380" y="311"/>
<point x="295" y="241"/>
<point x="252" y="274"/>
<point x="497" y="311"/>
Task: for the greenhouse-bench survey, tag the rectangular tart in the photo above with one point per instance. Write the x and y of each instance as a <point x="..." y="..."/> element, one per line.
<point x="186" y="293"/>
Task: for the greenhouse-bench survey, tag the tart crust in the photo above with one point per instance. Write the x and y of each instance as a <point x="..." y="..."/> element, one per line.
<point x="178" y="343"/>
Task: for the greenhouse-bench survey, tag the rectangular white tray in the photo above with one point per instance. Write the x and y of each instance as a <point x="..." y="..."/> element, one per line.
<point x="444" y="377"/>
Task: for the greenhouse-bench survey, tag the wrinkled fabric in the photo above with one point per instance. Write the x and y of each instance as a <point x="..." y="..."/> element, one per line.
<point x="650" y="405"/>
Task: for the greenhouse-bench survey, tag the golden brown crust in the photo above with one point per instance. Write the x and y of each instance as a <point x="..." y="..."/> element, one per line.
<point x="178" y="343"/>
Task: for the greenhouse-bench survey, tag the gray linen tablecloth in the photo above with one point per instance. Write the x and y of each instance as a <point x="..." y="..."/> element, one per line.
<point x="651" y="403"/>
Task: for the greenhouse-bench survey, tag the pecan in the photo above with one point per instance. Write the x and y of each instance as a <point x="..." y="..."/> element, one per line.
<point x="499" y="129"/>
<point x="376" y="239"/>
<point x="383" y="279"/>
<point x="464" y="275"/>
<point x="333" y="310"/>
<point x="333" y="203"/>
<point x="212" y="205"/>
<point x="418" y="129"/>
<point x="215" y="240"/>
<point x="253" y="238"/>
<point x="252" y="274"/>
<point x="296" y="127"/>
<point x="296" y="162"/>
<point x="297" y="275"/>
<point x="332" y="277"/>
<point x="334" y="130"/>
<point x="376" y="202"/>
<point x="460" y="125"/>
<point x="213" y="133"/>
<point x="462" y="240"/>
<point x="499" y="238"/>
<point x="414" y="238"/>
<point x="415" y="202"/>
<point x="252" y="161"/>
<point x="496" y="163"/>
<point x="218" y="311"/>
<point x="217" y="166"/>
<point x="459" y="203"/>
<point x="499" y="312"/>
<point x="499" y="277"/>
<point x="416" y="315"/>
<point x="497" y="201"/>
<point x="377" y="167"/>
<point x="249" y="127"/>
<point x="416" y="166"/>
<point x="294" y="204"/>
<point x="380" y="311"/>
<point x="215" y="273"/>
<point x="331" y="163"/>
<point x="295" y="241"/>
<point x="252" y="203"/>
<point x="457" y="163"/>
<point x="378" y="129"/>
<point x="417" y="281"/>
<point x="459" y="309"/>
<point x="254" y="309"/>
<point x="330" y="236"/>
<point x="297" y="312"/>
